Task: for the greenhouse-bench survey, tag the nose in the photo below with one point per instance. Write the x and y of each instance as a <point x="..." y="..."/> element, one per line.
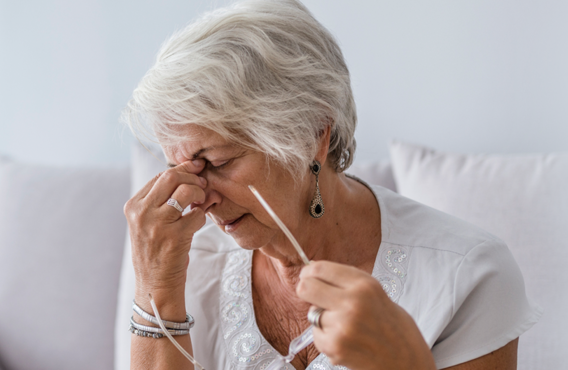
<point x="212" y="196"/>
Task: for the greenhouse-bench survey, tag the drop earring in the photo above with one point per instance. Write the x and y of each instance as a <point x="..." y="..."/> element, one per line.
<point x="316" y="206"/>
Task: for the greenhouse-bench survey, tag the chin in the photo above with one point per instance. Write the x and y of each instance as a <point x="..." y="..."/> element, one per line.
<point x="249" y="241"/>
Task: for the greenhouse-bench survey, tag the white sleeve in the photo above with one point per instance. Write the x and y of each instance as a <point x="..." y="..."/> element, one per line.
<point x="490" y="306"/>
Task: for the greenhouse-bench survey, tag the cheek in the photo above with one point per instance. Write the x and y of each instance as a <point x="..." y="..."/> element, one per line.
<point x="233" y="182"/>
<point x="232" y="189"/>
<point x="274" y="184"/>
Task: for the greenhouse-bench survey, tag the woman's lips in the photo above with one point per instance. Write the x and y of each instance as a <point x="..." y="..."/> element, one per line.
<point x="232" y="225"/>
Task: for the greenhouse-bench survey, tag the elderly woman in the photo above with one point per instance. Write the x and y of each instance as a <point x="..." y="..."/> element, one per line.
<point x="259" y="94"/>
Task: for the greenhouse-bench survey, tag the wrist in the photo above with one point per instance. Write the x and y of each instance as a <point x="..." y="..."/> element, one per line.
<point x="170" y="302"/>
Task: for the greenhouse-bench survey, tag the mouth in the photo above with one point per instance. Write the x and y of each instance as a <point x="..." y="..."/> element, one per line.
<point x="231" y="225"/>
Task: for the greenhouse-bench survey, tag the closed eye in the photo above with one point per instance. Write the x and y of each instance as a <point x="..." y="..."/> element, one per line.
<point x="212" y="167"/>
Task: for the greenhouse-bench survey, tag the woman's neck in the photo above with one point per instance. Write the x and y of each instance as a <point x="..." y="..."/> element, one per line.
<point x="349" y="232"/>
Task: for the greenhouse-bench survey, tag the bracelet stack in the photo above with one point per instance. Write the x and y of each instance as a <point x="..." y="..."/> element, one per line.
<point x="174" y="328"/>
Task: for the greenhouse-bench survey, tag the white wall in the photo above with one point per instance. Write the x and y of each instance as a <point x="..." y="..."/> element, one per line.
<point x="468" y="76"/>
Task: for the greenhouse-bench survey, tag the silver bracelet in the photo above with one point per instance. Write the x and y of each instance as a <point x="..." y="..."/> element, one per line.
<point x="150" y="329"/>
<point x="188" y="324"/>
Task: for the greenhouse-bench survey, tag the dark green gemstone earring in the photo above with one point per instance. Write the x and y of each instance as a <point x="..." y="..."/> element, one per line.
<point x="316" y="207"/>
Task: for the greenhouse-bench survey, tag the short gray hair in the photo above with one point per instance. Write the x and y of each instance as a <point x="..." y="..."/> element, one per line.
<point x="262" y="73"/>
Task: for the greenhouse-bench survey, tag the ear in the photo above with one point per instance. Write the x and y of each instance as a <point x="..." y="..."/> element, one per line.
<point x="323" y="146"/>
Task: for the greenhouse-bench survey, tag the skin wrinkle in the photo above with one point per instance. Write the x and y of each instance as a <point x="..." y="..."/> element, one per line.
<point x="272" y="302"/>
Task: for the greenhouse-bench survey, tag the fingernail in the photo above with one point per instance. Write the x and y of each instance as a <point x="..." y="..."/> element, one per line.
<point x="203" y="180"/>
<point x="197" y="162"/>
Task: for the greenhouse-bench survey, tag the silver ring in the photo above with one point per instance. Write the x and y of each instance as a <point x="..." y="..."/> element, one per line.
<point x="314" y="317"/>
<point x="174" y="203"/>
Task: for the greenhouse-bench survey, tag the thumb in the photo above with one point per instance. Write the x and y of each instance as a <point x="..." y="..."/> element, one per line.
<point x="194" y="166"/>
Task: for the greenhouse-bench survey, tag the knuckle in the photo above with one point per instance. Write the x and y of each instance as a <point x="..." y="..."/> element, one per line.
<point x="127" y="207"/>
<point x="134" y="217"/>
<point x="169" y="176"/>
<point x="363" y="286"/>
<point x="186" y="191"/>
<point x="132" y="213"/>
<point x="351" y="307"/>
<point x="137" y="216"/>
<point x="316" y="267"/>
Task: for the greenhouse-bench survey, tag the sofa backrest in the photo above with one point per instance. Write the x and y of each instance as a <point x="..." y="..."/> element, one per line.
<point x="62" y="235"/>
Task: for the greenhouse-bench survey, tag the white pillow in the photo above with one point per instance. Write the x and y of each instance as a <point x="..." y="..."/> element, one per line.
<point x="523" y="200"/>
<point x="375" y="173"/>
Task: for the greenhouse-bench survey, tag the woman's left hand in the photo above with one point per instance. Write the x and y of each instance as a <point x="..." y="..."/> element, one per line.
<point x="361" y="328"/>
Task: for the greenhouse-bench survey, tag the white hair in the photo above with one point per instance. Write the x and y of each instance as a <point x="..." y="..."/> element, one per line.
<point x="262" y="73"/>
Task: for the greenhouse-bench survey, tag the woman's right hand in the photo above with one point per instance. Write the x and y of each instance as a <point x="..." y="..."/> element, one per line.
<point x="161" y="237"/>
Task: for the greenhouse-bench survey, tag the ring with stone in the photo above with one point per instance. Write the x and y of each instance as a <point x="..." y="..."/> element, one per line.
<point x="174" y="203"/>
<point x="314" y="317"/>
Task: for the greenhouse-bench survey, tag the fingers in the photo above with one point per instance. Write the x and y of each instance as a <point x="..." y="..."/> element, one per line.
<point x="319" y="293"/>
<point x="195" y="166"/>
<point x="186" y="194"/>
<point x="192" y="167"/>
<point x="328" y="340"/>
<point x="332" y="273"/>
<point x="326" y="320"/>
<point x="168" y="183"/>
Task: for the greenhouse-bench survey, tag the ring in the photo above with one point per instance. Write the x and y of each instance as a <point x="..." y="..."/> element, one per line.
<point x="314" y="317"/>
<point x="174" y="203"/>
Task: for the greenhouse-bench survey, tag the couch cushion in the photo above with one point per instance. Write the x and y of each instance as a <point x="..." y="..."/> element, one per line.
<point x="375" y="173"/>
<point x="523" y="200"/>
<point x="61" y="241"/>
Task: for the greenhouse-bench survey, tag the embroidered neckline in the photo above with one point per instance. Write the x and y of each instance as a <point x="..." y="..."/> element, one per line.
<point x="246" y="347"/>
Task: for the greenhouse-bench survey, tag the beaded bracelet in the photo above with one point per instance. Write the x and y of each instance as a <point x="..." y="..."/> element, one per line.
<point x="142" y="333"/>
<point x="188" y="324"/>
<point x="150" y="331"/>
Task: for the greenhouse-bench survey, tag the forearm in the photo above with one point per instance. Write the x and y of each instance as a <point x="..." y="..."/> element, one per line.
<point x="157" y="354"/>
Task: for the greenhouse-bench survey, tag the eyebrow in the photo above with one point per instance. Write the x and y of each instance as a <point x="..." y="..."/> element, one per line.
<point x="200" y="152"/>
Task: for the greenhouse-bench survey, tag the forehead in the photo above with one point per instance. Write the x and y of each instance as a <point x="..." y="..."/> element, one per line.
<point x="199" y="142"/>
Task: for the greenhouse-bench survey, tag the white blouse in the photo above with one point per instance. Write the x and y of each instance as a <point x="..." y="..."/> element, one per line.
<point x="459" y="283"/>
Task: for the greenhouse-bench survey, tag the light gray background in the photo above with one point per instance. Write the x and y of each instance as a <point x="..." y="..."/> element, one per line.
<point x="467" y="76"/>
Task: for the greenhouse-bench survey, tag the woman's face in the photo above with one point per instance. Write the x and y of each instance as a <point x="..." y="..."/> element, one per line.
<point x="229" y="169"/>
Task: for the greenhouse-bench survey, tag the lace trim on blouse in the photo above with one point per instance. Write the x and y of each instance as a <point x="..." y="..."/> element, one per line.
<point x="246" y="347"/>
